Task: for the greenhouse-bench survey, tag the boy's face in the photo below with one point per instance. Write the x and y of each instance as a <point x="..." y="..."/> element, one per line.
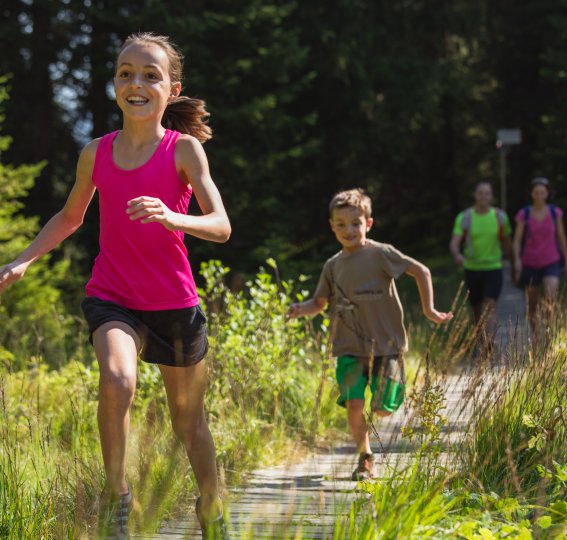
<point x="350" y="226"/>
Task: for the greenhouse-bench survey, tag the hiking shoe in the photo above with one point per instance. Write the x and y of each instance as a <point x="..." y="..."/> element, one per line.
<point x="215" y="529"/>
<point x="366" y="468"/>
<point x="113" y="517"/>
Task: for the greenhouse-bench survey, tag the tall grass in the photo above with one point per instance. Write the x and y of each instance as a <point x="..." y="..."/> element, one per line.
<point x="503" y="476"/>
<point x="265" y="377"/>
<point x="506" y="475"/>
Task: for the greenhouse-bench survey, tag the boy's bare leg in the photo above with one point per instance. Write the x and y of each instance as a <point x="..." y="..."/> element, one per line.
<point x="358" y="425"/>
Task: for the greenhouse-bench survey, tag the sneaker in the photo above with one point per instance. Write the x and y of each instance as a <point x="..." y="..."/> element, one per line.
<point x="113" y="517"/>
<point x="215" y="529"/>
<point x="366" y="468"/>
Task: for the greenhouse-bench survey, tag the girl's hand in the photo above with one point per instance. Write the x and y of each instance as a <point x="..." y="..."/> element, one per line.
<point x="9" y="274"/>
<point x="151" y="209"/>
<point x="438" y="316"/>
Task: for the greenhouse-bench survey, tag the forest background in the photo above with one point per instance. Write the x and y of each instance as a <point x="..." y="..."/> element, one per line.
<point x="402" y="98"/>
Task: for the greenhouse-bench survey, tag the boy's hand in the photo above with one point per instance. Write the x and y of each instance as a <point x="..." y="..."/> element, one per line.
<point x="293" y="311"/>
<point x="438" y="316"/>
<point x="9" y="274"/>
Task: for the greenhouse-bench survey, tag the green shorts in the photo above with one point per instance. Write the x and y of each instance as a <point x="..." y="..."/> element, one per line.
<point x="387" y="384"/>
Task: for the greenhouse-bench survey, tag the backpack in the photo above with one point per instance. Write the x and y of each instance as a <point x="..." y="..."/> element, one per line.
<point x="527" y="210"/>
<point x="466" y="226"/>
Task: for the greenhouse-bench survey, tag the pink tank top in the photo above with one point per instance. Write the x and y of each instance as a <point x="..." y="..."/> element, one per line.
<point x="141" y="265"/>
<point x="540" y="247"/>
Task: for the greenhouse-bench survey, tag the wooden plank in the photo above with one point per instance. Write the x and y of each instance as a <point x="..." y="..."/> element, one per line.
<point x="312" y="495"/>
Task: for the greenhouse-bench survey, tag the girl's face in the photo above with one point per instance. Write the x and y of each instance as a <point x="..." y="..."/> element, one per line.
<point x="142" y="83"/>
<point x="540" y="194"/>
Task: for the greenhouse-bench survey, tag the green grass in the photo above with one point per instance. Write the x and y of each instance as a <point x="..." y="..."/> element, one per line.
<point x="272" y="386"/>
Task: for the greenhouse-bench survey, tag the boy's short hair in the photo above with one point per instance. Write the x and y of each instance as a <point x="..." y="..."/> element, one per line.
<point x="356" y="198"/>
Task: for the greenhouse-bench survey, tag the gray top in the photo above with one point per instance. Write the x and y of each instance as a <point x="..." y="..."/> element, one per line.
<point x="364" y="300"/>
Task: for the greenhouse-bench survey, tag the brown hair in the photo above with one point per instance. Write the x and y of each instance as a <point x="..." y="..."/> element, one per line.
<point x="356" y="198"/>
<point x="183" y="113"/>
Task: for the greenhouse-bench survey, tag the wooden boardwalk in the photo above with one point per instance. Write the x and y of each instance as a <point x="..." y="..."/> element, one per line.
<point x="510" y="311"/>
<point x="307" y="496"/>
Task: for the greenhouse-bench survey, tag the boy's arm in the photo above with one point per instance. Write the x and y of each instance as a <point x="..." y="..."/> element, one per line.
<point x="309" y="307"/>
<point x="422" y="276"/>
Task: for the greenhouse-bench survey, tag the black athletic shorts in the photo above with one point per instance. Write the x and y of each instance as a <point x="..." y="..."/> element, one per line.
<point x="483" y="284"/>
<point x="172" y="337"/>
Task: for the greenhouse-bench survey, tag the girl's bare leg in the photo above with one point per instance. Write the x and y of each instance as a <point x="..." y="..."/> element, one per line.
<point x="116" y="346"/>
<point x="185" y="387"/>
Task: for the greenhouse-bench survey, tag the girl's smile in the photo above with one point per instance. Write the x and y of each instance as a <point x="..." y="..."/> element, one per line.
<point x="142" y="82"/>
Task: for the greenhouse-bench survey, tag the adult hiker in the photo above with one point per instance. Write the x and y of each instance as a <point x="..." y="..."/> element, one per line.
<point x="540" y="250"/>
<point x="483" y="232"/>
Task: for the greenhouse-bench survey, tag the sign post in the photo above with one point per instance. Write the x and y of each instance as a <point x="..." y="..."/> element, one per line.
<point x="505" y="138"/>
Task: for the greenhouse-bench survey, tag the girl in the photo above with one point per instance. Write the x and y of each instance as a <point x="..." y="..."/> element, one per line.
<point x="540" y="249"/>
<point x="141" y="298"/>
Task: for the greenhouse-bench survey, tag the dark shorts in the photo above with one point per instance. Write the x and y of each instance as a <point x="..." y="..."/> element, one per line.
<point x="534" y="276"/>
<point x="483" y="284"/>
<point x="172" y="337"/>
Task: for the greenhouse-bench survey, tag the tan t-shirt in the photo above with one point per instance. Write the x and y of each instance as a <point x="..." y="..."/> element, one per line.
<point x="363" y="296"/>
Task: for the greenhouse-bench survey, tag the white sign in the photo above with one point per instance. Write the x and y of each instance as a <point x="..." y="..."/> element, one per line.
<point x="507" y="137"/>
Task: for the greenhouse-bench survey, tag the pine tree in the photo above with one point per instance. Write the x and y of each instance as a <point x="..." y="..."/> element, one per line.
<point x="32" y="323"/>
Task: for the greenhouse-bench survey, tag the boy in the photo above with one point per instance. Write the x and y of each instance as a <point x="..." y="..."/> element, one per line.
<point x="367" y="315"/>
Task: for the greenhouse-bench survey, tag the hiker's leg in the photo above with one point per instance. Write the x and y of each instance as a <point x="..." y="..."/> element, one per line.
<point x="492" y="287"/>
<point x="477" y="313"/>
<point x="474" y="285"/>
<point x="488" y="325"/>
<point x="185" y="387"/>
<point x="489" y="316"/>
<point x="532" y="296"/>
<point x="550" y="288"/>
<point x="116" y="346"/>
<point x="357" y="424"/>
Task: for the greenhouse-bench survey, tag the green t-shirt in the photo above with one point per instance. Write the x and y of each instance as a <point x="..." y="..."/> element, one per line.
<point x="483" y="250"/>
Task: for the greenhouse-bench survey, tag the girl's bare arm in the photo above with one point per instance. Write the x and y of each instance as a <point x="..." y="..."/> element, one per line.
<point x="193" y="167"/>
<point x="61" y="225"/>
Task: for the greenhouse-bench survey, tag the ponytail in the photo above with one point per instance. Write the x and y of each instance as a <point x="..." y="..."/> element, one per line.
<point x="188" y="115"/>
